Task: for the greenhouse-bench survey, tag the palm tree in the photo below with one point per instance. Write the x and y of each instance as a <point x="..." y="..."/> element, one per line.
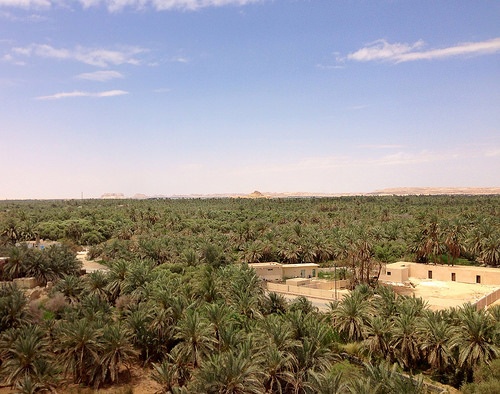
<point x="117" y="274"/>
<point x="275" y="303"/>
<point x="27" y="347"/>
<point x="385" y="302"/>
<point x="219" y="315"/>
<point x="453" y="240"/>
<point x="385" y="379"/>
<point x="71" y="287"/>
<point x="141" y="322"/>
<point x="15" y="267"/>
<point x="117" y="351"/>
<point x="435" y="333"/>
<point x="378" y="336"/>
<point x="208" y="287"/>
<point x="491" y="250"/>
<point x="276" y="331"/>
<point x="166" y="374"/>
<point x="10" y="232"/>
<point x="79" y="345"/>
<point x="196" y="339"/>
<point x="301" y="303"/>
<point x="13" y="304"/>
<point x="351" y="316"/>
<point x="228" y="373"/>
<point x="405" y="343"/>
<point x="96" y="284"/>
<point x="475" y="338"/>
<point x="277" y="368"/>
<point x="326" y="382"/>
<point x="135" y="282"/>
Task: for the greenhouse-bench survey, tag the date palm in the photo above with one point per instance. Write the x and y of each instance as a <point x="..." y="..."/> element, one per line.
<point x="13" y="304"/>
<point x="405" y="343"/>
<point x="275" y="303"/>
<point x="277" y="368"/>
<point x="475" y="338"/>
<point x="95" y="283"/>
<point x="15" y="267"/>
<point x="229" y="373"/>
<point x="351" y="316"/>
<point x="491" y="250"/>
<point x="117" y="351"/>
<point x="71" y="287"/>
<point x="21" y="358"/>
<point x="435" y="333"/>
<point x="117" y="274"/>
<point x="378" y="336"/>
<point x="79" y="345"/>
<point x="276" y="331"/>
<point x="326" y="382"/>
<point x="196" y="339"/>
<point x="219" y="315"/>
<point x="166" y="374"/>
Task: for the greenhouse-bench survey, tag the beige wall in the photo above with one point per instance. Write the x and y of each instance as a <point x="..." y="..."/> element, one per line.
<point x="301" y="290"/>
<point x="402" y="270"/>
<point x="25" y="283"/>
<point x="488" y="299"/>
<point x="488" y="276"/>
<point x="296" y="272"/>
<point x="395" y="274"/>
<point x="272" y="273"/>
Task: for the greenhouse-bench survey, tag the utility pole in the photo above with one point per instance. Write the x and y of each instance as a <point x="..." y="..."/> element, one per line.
<point x="335" y="277"/>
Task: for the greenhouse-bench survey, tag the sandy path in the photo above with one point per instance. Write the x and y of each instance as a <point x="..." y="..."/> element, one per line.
<point x="89" y="265"/>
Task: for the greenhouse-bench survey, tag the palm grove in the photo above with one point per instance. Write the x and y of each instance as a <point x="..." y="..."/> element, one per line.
<point x="178" y="302"/>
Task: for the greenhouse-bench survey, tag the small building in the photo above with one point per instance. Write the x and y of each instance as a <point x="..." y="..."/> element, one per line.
<point x="401" y="271"/>
<point x="278" y="272"/>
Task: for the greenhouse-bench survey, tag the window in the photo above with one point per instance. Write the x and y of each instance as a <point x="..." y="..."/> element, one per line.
<point x="314" y="272"/>
<point x="453" y="277"/>
<point x="478" y="278"/>
<point x="388" y="273"/>
<point x="429" y="274"/>
<point x="302" y="273"/>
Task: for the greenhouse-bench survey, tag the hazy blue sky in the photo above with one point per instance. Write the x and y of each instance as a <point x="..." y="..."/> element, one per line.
<point x="227" y="96"/>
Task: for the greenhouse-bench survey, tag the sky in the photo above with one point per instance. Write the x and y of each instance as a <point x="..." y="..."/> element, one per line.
<point x="169" y="97"/>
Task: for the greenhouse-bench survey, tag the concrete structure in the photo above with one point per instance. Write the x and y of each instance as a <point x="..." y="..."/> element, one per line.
<point x="278" y="272"/>
<point x="401" y="271"/>
<point x="25" y="283"/>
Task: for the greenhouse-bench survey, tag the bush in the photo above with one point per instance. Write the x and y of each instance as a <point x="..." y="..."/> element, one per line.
<point x="486" y="379"/>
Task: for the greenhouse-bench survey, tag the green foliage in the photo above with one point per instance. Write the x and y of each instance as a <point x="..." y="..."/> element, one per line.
<point x="180" y="296"/>
<point x="48" y="264"/>
<point x="486" y="379"/>
<point x="12" y="307"/>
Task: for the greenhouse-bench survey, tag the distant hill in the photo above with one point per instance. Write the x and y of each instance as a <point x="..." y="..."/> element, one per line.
<point x="113" y="196"/>
<point x="407" y="191"/>
<point x="398" y="191"/>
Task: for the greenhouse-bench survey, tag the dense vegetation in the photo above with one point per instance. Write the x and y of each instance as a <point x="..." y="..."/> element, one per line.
<point x="176" y="300"/>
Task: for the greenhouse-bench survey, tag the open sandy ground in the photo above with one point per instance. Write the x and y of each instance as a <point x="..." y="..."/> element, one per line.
<point x="89" y="265"/>
<point x="442" y="295"/>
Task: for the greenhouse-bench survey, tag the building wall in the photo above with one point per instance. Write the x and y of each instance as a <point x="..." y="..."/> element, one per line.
<point x="395" y="274"/>
<point x="296" y="272"/>
<point x="487" y="276"/>
<point x="271" y="273"/>
<point x="488" y="299"/>
<point x="402" y="270"/>
<point x="302" y="290"/>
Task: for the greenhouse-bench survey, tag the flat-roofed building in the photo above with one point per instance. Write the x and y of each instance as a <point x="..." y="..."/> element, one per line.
<point x="278" y="272"/>
<point x="401" y="271"/>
